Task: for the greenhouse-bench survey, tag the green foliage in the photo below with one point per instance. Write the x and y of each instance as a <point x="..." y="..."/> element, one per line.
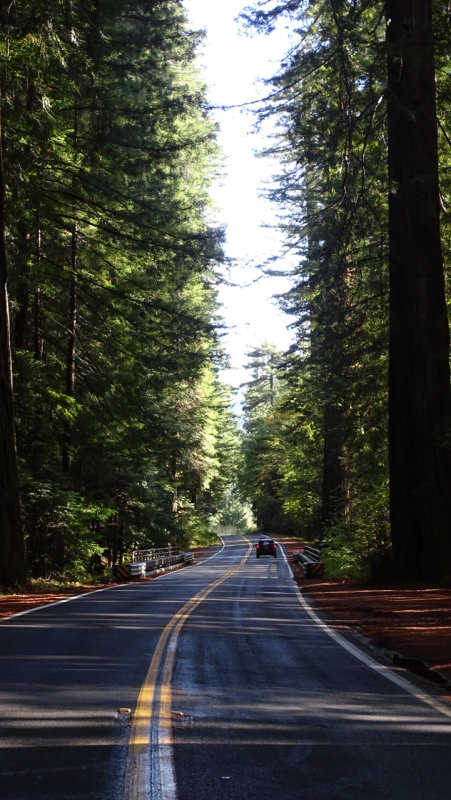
<point x="263" y="442"/>
<point x="124" y="433"/>
<point x="236" y="513"/>
<point x="328" y="101"/>
<point x="328" y="430"/>
<point x="359" y="549"/>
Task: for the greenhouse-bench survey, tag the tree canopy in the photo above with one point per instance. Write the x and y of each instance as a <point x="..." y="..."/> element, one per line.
<point x="123" y="430"/>
<point x="364" y="460"/>
<point x="115" y="429"/>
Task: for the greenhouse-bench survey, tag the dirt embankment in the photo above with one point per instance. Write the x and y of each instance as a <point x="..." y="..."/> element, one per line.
<point x="412" y="623"/>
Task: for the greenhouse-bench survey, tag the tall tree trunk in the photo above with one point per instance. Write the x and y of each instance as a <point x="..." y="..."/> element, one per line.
<point x="334" y="505"/>
<point x="70" y="361"/>
<point x="420" y="402"/>
<point x="72" y="325"/>
<point x="324" y="319"/>
<point x="20" y="322"/>
<point x="335" y="482"/>
<point x="38" y="343"/>
<point x="12" y="561"/>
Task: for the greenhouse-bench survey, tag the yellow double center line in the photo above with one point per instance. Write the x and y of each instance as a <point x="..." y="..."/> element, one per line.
<point x="139" y="757"/>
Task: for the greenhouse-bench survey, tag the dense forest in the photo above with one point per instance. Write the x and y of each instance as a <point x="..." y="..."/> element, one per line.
<point x="115" y="429"/>
<point x="348" y="434"/>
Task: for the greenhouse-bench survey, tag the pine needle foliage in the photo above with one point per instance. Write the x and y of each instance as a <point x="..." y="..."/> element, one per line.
<point x="109" y="153"/>
<point x="336" y="459"/>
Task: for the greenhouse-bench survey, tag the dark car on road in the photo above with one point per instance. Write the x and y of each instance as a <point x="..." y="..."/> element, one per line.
<point x="266" y="547"/>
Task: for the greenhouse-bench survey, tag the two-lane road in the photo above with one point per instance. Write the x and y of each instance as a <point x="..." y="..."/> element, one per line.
<point x="237" y="693"/>
<point x="270" y="704"/>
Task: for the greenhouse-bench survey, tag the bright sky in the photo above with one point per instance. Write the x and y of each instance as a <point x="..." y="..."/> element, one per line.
<point x="232" y="65"/>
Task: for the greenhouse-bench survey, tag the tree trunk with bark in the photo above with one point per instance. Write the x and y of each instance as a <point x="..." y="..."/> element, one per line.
<point x="70" y="360"/>
<point x="419" y="380"/>
<point x="12" y="561"/>
<point x="71" y="327"/>
<point x="335" y="484"/>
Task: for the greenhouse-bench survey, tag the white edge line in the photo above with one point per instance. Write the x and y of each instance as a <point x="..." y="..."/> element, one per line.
<point x="57" y="602"/>
<point x="360" y="655"/>
<point x="103" y="589"/>
<point x="370" y="662"/>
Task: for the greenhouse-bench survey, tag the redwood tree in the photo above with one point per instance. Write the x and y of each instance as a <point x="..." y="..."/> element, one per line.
<point x="419" y="380"/>
<point x="11" y="542"/>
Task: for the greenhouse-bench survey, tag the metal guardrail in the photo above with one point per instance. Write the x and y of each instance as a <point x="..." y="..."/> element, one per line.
<point x="154" y="553"/>
<point x="310" y="562"/>
<point x="145" y="562"/>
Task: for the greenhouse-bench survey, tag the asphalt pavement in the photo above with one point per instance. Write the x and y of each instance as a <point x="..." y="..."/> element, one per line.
<point x="215" y="682"/>
<point x="269" y="703"/>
